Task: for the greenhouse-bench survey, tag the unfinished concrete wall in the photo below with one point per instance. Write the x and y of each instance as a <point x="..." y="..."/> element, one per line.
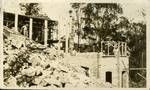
<point x="99" y="65"/>
<point x="109" y="64"/>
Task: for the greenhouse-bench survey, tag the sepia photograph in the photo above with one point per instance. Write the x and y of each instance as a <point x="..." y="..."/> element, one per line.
<point x="74" y="45"/>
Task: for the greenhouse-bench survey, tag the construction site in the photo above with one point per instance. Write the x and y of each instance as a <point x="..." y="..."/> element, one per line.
<point x="35" y="56"/>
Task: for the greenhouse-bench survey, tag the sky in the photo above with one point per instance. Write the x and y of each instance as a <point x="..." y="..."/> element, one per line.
<point x="59" y="11"/>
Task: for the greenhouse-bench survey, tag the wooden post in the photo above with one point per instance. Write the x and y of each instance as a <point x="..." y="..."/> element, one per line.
<point x="59" y="42"/>
<point x="16" y="22"/>
<point x="122" y="52"/>
<point x="101" y="46"/>
<point x="45" y="32"/>
<point x="108" y="48"/>
<point x="125" y="49"/>
<point x="30" y="29"/>
<point x="142" y="59"/>
<point x="67" y="37"/>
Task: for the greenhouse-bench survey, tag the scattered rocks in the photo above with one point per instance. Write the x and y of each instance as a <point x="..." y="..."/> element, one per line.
<point x="30" y="64"/>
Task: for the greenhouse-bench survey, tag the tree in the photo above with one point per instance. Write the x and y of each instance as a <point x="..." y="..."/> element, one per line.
<point x="104" y="21"/>
<point x="100" y="20"/>
<point x="30" y="8"/>
<point x="77" y="8"/>
<point x="137" y="49"/>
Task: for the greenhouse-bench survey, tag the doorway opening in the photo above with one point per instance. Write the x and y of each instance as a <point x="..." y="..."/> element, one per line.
<point x="109" y="77"/>
<point x="124" y="79"/>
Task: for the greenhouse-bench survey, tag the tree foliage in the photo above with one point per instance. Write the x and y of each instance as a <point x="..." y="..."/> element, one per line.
<point x="105" y="21"/>
<point x="99" y="19"/>
<point x="30" y="8"/>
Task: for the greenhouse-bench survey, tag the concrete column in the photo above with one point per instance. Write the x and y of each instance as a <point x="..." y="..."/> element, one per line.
<point x="99" y="65"/>
<point x="127" y="84"/>
<point x="118" y="65"/>
<point x="30" y="28"/>
<point x="45" y="32"/>
<point x="98" y="57"/>
<point x="16" y="22"/>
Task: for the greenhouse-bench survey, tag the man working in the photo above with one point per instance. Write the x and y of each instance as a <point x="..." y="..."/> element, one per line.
<point x="24" y="30"/>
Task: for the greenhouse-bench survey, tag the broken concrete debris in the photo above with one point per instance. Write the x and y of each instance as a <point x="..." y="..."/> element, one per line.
<point x="30" y="64"/>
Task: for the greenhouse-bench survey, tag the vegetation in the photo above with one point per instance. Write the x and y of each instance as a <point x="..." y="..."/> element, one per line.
<point x="104" y="21"/>
<point x="30" y="8"/>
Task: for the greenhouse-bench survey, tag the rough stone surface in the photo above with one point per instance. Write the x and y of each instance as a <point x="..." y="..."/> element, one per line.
<point x="29" y="64"/>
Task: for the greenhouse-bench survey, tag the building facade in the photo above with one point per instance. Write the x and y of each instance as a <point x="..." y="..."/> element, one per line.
<point x="40" y="29"/>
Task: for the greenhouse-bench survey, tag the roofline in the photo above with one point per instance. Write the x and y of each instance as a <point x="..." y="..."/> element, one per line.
<point x="30" y="16"/>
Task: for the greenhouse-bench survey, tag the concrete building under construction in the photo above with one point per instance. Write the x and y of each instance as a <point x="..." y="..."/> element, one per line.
<point x="110" y="65"/>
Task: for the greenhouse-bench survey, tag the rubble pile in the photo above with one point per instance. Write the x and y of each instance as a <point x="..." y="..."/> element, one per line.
<point x="30" y="64"/>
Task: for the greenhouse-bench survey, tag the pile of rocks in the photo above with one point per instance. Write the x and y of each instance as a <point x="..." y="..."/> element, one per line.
<point x="30" y="64"/>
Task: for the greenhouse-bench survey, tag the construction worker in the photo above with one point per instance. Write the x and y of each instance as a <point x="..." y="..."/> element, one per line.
<point x="24" y="30"/>
<point x="116" y="50"/>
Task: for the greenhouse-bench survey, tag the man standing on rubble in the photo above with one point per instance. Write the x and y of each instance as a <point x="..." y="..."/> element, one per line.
<point x="24" y="30"/>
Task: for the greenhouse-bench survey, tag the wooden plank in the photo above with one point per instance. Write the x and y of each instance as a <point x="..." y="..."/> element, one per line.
<point x="137" y="68"/>
<point x="141" y="76"/>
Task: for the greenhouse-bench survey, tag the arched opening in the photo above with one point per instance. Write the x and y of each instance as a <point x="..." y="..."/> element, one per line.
<point x="109" y="77"/>
<point x="124" y="79"/>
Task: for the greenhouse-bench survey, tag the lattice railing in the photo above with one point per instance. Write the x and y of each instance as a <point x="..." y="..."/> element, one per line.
<point x="110" y="48"/>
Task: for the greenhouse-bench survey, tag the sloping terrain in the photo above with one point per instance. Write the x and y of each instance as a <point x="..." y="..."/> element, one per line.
<point x="30" y="64"/>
